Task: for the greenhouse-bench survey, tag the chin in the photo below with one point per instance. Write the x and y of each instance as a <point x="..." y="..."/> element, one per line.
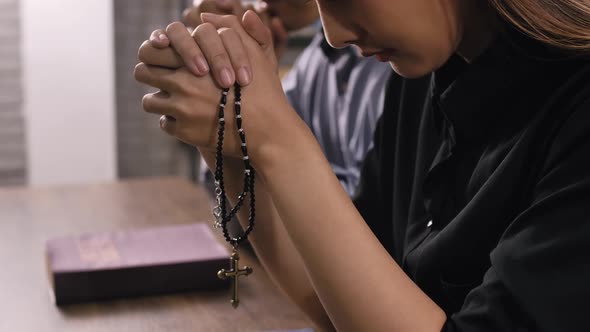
<point x="412" y="68"/>
<point x="410" y="71"/>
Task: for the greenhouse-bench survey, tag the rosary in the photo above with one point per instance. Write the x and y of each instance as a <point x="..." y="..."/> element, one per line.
<point x="222" y="217"/>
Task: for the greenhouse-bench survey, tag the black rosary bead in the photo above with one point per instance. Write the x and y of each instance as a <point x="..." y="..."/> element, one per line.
<point x="220" y="211"/>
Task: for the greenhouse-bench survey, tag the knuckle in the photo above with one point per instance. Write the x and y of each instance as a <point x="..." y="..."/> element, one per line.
<point x="168" y="125"/>
<point x="178" y="109"/>
<point x="220" y="58"/>
<point x="227" y="32"/>
<point x="146" y="102"/>
<point x="267" y="33"/>
<point x="186" y="49"/>
<point x="171" y="83"/>
<point x="157" y="32"/>
<point x="203" y="29"/>
<point x="175" y="26"/>
<point x="231" y="19"/>
<point x="143" y="50"/>
<point x="140" y="71"/>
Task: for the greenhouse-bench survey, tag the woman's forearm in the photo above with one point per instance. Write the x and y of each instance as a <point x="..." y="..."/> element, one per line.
<point x="273" y="246"/>
<point x="360" y="285"/>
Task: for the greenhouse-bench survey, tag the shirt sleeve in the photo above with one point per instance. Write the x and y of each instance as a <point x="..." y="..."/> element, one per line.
<point x="538" y="280"/>
<point x="291" y="87"/>
<point x="294" y="81"/>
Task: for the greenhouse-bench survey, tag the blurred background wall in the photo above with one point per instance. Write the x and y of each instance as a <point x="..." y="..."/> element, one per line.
<point x="68" y="92"/>
<point x="13" y="163"/>
<point x="142" y="148"/>
<point x="70" y="110"/>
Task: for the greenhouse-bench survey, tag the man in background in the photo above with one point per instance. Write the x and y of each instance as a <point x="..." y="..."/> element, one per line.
<point x="337" y="92"/>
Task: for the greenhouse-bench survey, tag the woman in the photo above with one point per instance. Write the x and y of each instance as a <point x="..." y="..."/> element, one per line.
<point x="470" y="215"/>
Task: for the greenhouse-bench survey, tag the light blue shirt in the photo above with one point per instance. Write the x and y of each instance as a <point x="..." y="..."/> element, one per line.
<point x="340" y="95"/>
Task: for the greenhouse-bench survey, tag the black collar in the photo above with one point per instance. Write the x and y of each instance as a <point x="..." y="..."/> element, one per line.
<point x="475" y="97"/>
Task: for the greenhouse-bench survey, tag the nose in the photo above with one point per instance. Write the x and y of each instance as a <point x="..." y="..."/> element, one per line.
<point x="337" y="34"/>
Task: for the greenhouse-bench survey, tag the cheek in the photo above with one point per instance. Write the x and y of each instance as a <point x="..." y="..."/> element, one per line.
<point x="424" y="35"/>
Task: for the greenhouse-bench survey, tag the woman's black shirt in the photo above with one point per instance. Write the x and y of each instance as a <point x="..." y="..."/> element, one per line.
<point x="478" y="185"/>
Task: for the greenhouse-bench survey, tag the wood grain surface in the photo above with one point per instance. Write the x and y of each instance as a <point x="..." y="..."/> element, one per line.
<point x="29" y="216"/>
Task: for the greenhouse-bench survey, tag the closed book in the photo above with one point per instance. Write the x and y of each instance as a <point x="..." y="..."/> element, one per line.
<point x="101" y="266"/>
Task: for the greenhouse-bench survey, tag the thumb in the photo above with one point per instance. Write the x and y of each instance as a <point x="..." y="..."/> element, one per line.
<point x="258" y="30"/>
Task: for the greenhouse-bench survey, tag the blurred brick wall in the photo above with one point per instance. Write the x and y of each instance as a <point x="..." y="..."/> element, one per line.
<point x="143" y="149"/>
<point x="12" y="135"/>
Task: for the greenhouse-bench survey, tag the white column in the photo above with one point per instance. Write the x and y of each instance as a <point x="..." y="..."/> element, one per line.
<point x="68" y="82"/>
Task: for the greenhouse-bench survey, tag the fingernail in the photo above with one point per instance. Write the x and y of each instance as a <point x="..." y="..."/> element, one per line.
<point x="244" y="76"/>
<point x="163" y="37"/>
<point x="226" y="77"/>
<point x="201" y="64"/>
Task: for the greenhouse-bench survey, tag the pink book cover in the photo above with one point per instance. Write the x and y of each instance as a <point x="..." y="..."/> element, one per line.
<point x="101" y="266"/>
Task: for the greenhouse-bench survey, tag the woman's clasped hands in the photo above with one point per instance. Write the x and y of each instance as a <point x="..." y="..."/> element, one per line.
<point x="190" y="69"/>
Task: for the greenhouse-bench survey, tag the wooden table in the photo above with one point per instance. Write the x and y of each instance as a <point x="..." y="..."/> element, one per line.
<point x="29" y="216"/>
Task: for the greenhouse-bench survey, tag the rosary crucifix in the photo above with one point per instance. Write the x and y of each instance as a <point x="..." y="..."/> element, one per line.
<point x="222" y="217"/>
<point x="234" y="272"/>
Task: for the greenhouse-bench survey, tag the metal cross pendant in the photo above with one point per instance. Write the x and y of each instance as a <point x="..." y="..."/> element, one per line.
<point x="234" y="272"/>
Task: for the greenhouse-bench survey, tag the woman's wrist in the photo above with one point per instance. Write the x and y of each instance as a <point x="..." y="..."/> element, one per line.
<point x="290" y="143"/>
